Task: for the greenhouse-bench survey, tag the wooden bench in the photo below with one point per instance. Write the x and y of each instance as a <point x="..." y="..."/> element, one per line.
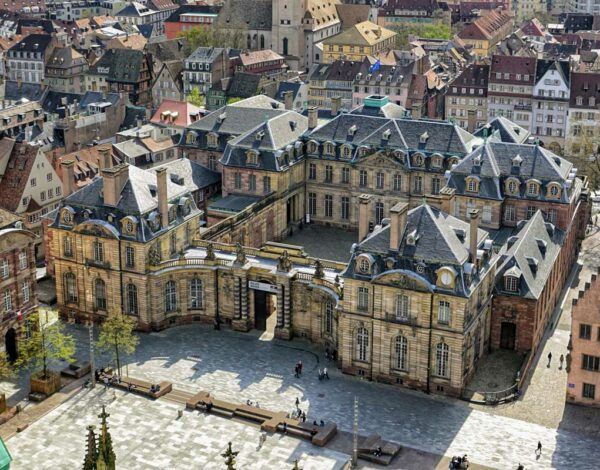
<point x="369" y="444"/>
<point x="195" y="400"/>
<point x="324" y="434"/>
<point x="142" y="387"/>
<point x="367" y="449"/>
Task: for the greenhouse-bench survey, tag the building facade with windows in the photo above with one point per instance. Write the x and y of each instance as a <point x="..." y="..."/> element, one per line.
<point x="466" y="98"/>
<point x="417" y="300"/>
<point x="582" y="137"/>
<point x="583" y="360"/>
<point x="205" y="67"/>
<point x="362" y="40"/>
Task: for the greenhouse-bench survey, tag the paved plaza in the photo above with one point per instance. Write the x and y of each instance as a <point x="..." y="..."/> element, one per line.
<point x="149" y="435"/>
<point x="324" y="242"/>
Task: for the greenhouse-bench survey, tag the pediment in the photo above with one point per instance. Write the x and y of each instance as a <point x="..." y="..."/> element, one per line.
<point x="97" y="228"/>
<point x="383" y="159"/>
<point x="403" y="279"/>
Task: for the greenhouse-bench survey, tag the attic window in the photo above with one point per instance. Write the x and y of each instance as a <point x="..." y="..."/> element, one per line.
<point x="259" y="135"/>
<point x="411" y="238"/>
<point x="511" y="283"/>
<point x="386" y="134"/>
<point x="423" y="138"/>
<point x="352" y="129"/>
<point x="252" y="158"/>
<point x="473" y="185"/>
<point x="533" y="188"/>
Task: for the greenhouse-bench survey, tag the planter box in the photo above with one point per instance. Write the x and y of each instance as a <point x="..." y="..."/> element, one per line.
<point x="47" y="386"/>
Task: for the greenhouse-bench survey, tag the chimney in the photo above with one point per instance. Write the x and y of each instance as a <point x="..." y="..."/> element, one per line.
<point x="364" y="211"/>
<point x="474" y="225"/>
<point x="398" y="214"/>
<point x="471" y="120"/>
<point x="114" y="180"/>
<point x="336" y="104"/>
<point x="163" y="200"/>
<point x="68" y="176"/>
<point x="288" y="100"/>
<point x="313" y="117"/>
<point x="105" y="159"/>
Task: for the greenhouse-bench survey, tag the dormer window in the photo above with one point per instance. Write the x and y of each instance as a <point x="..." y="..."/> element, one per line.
<point x="417" y="159"/>
<point x="411" y="238"/>
<point x="191" y="137"/>
<point x="516" y="161"/>
<point x="512" y="186"/>
<point x="452" y="161"/>
<point x="364" y="265"/>
<point x="386" y="134"/>
<point x="511" y="283"/>
<point x="252" y="158"/>
<point x="352" y="130"/>
<point x="312" y="147"/>
<point x="473" y="185"/>
<point x="446" y="277"/>
<point x="533" y="188"/>
<point x="553" y="190"/>
<point x="362" y="151"/>
<point x="592" y="101"/>
<point x="423" y="138"/>
<point x="477" y="160"/>
<point x="329" y="149"/>
<point x="436" y="161"/>
<point x="579" y="100"/>
<point x="346" y="151"/>
<point x="212" y="140"/>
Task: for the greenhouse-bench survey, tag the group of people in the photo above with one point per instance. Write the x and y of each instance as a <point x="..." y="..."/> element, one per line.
<point x="251" y="403"/>
<point x="323" y="374"/>
<point x="459" y="462"/>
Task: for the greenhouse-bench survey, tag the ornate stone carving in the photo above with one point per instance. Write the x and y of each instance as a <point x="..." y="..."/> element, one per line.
<point x="210" y="252"/>
<point x="284" y="264"/>
<point x="319" y="270"/>
<point x="240" y="254"/>
<point x="154" y="255"/>
<point x="337" y="280"/>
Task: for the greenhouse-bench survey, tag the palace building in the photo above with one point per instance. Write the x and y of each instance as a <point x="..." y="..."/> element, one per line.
<point x="438" y="276"/>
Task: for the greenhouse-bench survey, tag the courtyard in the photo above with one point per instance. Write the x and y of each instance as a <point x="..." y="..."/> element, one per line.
<point x="239" y="367"/>
<point x="323" y="242"/>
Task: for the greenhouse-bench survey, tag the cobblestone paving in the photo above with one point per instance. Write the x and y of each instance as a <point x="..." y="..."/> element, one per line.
<point x="147" y="435"/>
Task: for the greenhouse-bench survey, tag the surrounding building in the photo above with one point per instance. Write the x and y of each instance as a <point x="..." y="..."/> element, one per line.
<point x="582" y="134"/>
<point x="17" y="118"/>
<point x="362" y="40"/>
<point x="168" y="84"/>
<point x="188" y="17"/>
<point x="176" y="114"/>
<point x="151" y="150"/>
<point x="264" y="62"/>
<point x="395" y="13"/>
<point x="583" y="360"/>
<point x="331" y="85"/>
<point x="65" y="70"/>
<point x="26" y="60"/>
<point x="204" y="67"/>
<point x="487" y="31"/>
<point x="466" y="98"/>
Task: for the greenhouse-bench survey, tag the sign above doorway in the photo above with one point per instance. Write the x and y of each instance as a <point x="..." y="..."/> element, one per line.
<point x="262" y="286"/>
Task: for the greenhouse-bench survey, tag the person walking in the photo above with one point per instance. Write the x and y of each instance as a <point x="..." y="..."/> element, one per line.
<point x="297" y="402"/>
<point x="320" y="375"/>
<point x="561" y="360"/>
<point x="300" y="367"/>
<point x="296" y="371"/>
<point x="325" y="373"/>
<point x="105" y="380"/>
<point x="549" y="358"/>
<point x="539" y="448"/>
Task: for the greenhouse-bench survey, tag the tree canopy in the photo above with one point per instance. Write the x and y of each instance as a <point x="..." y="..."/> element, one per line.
<point x="117" y="337"/>
<point x="215" y="37"/>
<point x="195" y="97"/>
<point x="422" y="30"/>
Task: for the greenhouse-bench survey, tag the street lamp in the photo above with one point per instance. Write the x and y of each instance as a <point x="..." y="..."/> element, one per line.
<point x="92" y="366"/>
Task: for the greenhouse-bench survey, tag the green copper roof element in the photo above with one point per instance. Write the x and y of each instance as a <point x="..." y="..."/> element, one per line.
<point x="376" y="101"/>
<point x="5" y="458"/>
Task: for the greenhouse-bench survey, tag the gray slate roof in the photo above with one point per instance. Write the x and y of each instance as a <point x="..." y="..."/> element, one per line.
<point x="190" y="174"/>
<point x="503" y="130"/>
<point x="238" y="14"/>
<point x="530" y="255"/>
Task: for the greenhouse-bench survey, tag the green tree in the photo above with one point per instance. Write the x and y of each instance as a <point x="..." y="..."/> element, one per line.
<point x="48" y="341"/>
<point x="436" y="30"/>
<point x="195" y="97"/>
<point x="91" y="453"/>
<point x="234" y="37"/>
<point x="233" y="99"/>
<point x="117" y="337"/>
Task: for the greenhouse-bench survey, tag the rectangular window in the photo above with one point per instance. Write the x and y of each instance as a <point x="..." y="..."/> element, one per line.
<point x="7" y="300"/>
<point x="49" y="177"/>
<point x="328" y="205"/>
<point x="345" y="175"/>
<point x="252" y="183"/>
<point x="4" y="269"/>
<point x="585" y="331"/>
<point x="129" y="256"/>
<point x="345" y="207"/>
<point x="312" y="171"/>
<point x="363" y="298"/>
<point x="43" y="195"/>
<point x="328" y="174"/>
<point x="237" y="181"/>
<point x="435" y="185"/>
<point x="98" y="252"/>
<point x="25" y="291"/>
<point x="23" y="260"/>
<point x="397" y="182"/>
<point x="380" y="180"/>
<point x="589" y="391"/>
<point x="591" y="363"/>
<point x="362" y="178"/>
<point x="552" y="215"/>
<point x="444" y="312"/>
<point x="33" y="182"/>
<point x="418" y="184"/>
<point x="312" y="203"/>
<point x="402" y="306"/>
<point x="378" y="212"/>
<point x="509" y="213"/>
<point x="486" y="214"/>
<point x="267" y="184"/>
<point x="530" y="212"/>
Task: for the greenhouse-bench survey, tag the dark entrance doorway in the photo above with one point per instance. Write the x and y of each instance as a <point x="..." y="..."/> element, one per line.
<point x="508" y="334"/>
<point x="288" y="211"/>
<point x="10" y="343"/>
<point x="263" y="308"/>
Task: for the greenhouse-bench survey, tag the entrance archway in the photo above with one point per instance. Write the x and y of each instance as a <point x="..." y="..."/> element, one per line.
<point x="10" y="343"/>
<point x="508" y="334"/>
<point x="265" y="305"/>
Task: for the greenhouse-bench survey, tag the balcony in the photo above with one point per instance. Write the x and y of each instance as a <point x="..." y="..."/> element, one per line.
<point x="522" y="107"/>
<point x="393" y="318"/>
<point x="97" y="264"/>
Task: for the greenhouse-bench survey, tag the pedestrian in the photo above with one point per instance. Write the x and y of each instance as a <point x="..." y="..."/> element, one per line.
<point x="561" y="359"/>
<point x="284" y="427"/>
<point x="297" y="402"/>
<point x="539" y="448"/>
<point x="303" y="417"/>
<point x="322" y="423"/>
<point x="315" y="423"/>
<point x="300" y="367"/>
<point x="325" y="374"/>
<point x="549" y="358"/>
<point x="327" y="353"/>
<point x="520" y="467"/>
<point x="320" y="375"/>
<point x="105" y="380"/>
<point x="296" y="371"/>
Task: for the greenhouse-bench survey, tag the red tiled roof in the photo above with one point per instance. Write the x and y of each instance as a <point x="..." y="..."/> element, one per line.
<point x="513" y="66"/>
<point x="186" y="113"/>
<point x="258" y="57"/>
<point x="487" y="26"/>
<point x="16" y="176"/>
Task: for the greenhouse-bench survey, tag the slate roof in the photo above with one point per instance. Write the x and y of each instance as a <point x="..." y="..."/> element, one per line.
<point x="206" y="54"/>
<point x="236" y="14"/>
<point x="124" y="65"/>
<point x="64" y="58"/>
<point x="244" y="85"/>
<point x="270" y="139"/>
<point x="28" y="43"/>
<point x="294" y="87"/>
<point x="135" y="9"/>
<point x="503" y="130"/>
<point x="138" y="199"/>
<point x="46" y="25"/>
<point x="585" y="86"/>
<point x="53" y="100"/>
<point x="233" y="203"/>
<point x="492" y="163"/>
<point x="562" y="67"/>
<point x="173" y="49"/>
<point x="16" y="175"/>
<point x="512" y="65"/>
<point x="530" y="254"/>
<point x="190" y="174"/>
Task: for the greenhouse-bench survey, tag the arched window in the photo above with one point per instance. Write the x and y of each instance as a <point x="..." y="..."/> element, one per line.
<point x="285" y="46"/>
<point x="100" y="294"/>
<point x="442" y="356"/>
<point x="400" y="353"/>
<point x="512" y="187"/>
<point x="472" y="185"/>
<point x="70" y="287"/>
<point x="262" y="41"/>
<point x="196" y="297"/>
<point x="532" y="189"/>
<point x="132" y="300"/>
<point x="402" y="306"/>
<point x="362" y="344"/>
<point x="170" y="296"/>
<point x="329" y="318"/>
<point x="68" y="246"/>
<point x="173" y="243"/>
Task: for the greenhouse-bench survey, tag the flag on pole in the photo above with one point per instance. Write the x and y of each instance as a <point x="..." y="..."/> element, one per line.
<point x="376" y="66"/>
